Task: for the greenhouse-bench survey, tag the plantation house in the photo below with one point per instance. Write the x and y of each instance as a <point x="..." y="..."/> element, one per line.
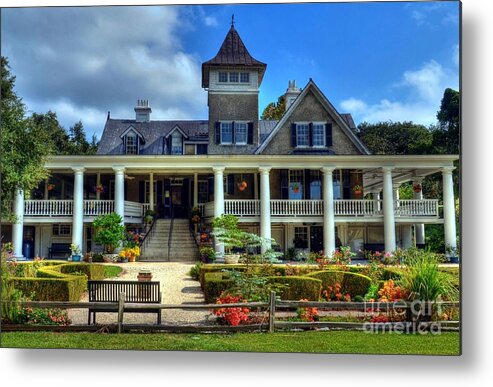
<point x="303" y="180"/>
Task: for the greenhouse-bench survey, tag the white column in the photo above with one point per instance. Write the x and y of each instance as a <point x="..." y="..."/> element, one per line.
<point x="419" y="227"/>
<point x="407" y="236"/>
<point x="151" y="191"/>
<point x="449" y="208"/>
<point x="120" y="191"/>
<point x="218" y="205"/>
<point x="265" y="225"/>
<point x="329" y="220"/>
<point x="388" y="210"/>
<point x="195" y="189"/>
<point x="78" y="208"/>
<point x="98" y="182"/>
<point x="18" y="226"/>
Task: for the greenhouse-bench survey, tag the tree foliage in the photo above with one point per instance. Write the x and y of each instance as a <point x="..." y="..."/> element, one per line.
<point x="274" y="111"/>
<point x="24" y="148"/>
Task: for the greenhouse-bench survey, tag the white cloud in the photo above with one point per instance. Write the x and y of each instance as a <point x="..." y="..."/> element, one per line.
<point x="456" y="55"/>
<point x="422" y="92"/>
<point x="210" y="21"/>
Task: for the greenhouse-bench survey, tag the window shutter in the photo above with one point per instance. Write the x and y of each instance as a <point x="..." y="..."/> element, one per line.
<point x="185" y="193"/>
<point x="233" y="132"/>
<point x="217" y="132"/>
<point x="294" y="142"/>
<point x="142" y="191"/>
<point x="308" y="181"/>
<point x="346" y="183"/>
<point x="328" y="134"/>
<point x="231" y="184"/>
<point x="168" y="145"/>
<point x="167" y="200"/>
<point x="210" y="186"/>
<point x="310" y="134"/>
<point x="284" y="183"/>
<point x="125" y="190"/>
<point x="159" y="192"/>
<point x="250" y="133"/>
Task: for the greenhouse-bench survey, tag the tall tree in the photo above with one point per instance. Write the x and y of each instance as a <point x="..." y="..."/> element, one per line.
<point x="274" y="111"/>
<point x="48" y="122"/>
<point x="80" y="145"/>
<point x="446" y="136"/>
<point x="24" y="148"/>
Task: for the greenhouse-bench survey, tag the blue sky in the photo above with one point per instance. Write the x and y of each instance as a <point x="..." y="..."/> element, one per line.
<point x="378" y="61"/>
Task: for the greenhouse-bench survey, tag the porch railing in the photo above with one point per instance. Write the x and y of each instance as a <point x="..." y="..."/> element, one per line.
<point x="356" y="207"/>
<point x="98" y="207"/>
<point x="296" y="207"/>
<point x="242" y="207"/>
<point x="424" y="207"/>
<point x="133" y="209"/>
<point x="48" y="208"/>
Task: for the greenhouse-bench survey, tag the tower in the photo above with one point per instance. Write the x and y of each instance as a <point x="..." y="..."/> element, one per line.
<point x="232" y="80"/>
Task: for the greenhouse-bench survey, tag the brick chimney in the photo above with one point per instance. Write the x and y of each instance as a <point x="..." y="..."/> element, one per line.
<point x="143" y="111"/>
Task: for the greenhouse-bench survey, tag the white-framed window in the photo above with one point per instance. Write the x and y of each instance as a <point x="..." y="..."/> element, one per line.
<point x="245" y="77"/>
<point x="176" y="143"/>
<point x="336" y="176"/>
<point x="301" y="237"/>
<point x="233" y="77"/>
<point x="147" y="192"/>
<point x="315" y="185"/>
<point x="226" y="132"/>
<point x="62" y="230"/>
<point x="241" y="131"/>
<point x="318" y="134"/>
<point x="131" y="146"/>
<point x="223" y="77"/>
<point x="302" y="134"/>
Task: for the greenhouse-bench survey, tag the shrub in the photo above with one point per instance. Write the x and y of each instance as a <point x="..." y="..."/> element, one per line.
<point x="297" y="288"/>
<point x="353" y="283"/>
<point x="195" y="271"/>
<point x="231" y="316"/>
<point x="109" y="231"/>
<point x="63" y="288"/>
<point x="214" y="285"/>
<point x="307" y="314"/>
<point x="40" y="316"/>
<point x="213" y="268"/>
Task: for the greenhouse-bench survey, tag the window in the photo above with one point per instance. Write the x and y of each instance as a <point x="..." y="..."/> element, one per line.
<point x="315" y="185"/>
<point x="296" y="184"/>
<point x="244" y="77"/>
<point x="147" y="193"/>
<point x="337" y="185"/>
<point x="61" y="230"/>
<point x="302" y="135"/>
<point x="301" y="237"/>
<point x="226" y="132"/>
<point x="318" y="134"/>
<point x="131" y="144"/>
<point x="203" y="191"/>
<point x="241" y="130"/>
<point x="233" y="77"/>
<point x="223" y="77"/>
<point x="201" y="149"/>
<point x="176" y="143"/>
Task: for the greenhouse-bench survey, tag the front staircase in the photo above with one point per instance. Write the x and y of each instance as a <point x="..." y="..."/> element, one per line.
<point x="170" y="242"/>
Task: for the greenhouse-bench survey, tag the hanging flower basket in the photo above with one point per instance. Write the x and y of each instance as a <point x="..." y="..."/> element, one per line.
<point x="100" y="188"/>
<point x="296" y="188"/>
<point x="242" y="186"/>
<point x="357" y="189"/>
<point x="50" y="187"/>
<point x="417" y="188"/>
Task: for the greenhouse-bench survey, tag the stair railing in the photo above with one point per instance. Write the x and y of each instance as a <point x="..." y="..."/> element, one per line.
<point x="170" y="234"/>
<point x="148" y="235"/>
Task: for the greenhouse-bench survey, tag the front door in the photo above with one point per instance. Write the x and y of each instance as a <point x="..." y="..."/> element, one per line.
<point x="180" y="199"/>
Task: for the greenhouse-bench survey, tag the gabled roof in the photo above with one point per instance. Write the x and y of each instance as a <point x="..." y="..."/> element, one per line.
<point x="153" y="132"/>
<point x="132" y="129"/>
<point x="232" y="53"/>
<point x="177" y="127"/>
<point x="343" y="124"/>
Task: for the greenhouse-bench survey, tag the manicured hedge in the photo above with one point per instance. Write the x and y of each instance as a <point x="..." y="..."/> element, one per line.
<point x="298" y="288"/>
<point x="214" y="284"/>
<point x="391" y="273"/>
<point x="353" y="283"/>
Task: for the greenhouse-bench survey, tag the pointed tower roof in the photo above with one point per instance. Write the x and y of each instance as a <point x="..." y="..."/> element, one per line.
<point x="232" y="53"/>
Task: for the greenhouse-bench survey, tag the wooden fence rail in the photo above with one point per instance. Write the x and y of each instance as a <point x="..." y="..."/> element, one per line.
<point x="269" y="307"/>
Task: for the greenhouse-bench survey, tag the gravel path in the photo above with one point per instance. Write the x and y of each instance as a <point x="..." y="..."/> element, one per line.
<point x="176" y="288"/>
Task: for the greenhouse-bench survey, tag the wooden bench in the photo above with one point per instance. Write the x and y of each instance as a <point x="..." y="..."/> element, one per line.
<point x="137" y="292"/>
<point x="59" y="249"/>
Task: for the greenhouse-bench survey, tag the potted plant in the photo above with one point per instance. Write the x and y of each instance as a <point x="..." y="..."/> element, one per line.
<point x="50" y="187"/>
<point x="357" y="189"/>
<point x="100" y="188"/>
<point x="207" y="254"/>
<point x="296" y="188"/>
<point x="149" y="216"/>
<point x="417" y="188"/>
<point x="76" y="253"/>
<point x="129" y="254"/>
<point x="109" y="232"/>
<point x="242" y="185"/>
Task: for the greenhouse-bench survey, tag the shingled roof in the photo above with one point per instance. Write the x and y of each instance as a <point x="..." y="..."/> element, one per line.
<point x="232" y="53"/>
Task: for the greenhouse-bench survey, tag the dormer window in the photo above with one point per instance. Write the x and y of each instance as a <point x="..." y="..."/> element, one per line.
<point x="176" y="143"/>
<point x="131" y="143"/>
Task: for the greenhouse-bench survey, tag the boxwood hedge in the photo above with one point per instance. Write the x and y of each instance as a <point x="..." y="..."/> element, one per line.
<point x="214" y="284"/>
<point x="353" y="283"/>
<point x="298" y="287"/>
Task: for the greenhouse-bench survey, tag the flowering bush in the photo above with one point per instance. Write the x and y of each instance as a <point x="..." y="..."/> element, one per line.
<point x="342" y="256"/>
<point x="335" y="293"/>
<point x="129" y="253"/>
<point x="39" y="316"/>
<point x="307" y="314"/>
<point x="390" y="292"/>
<point x="231" y="316"/>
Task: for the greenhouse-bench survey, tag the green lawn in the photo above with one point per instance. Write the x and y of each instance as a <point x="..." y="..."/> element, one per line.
<point x="111" y="271"/>
<point x="321" y="342"/>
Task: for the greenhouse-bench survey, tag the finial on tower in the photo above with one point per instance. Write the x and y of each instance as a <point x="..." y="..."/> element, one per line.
<point x="232" y="20"/>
